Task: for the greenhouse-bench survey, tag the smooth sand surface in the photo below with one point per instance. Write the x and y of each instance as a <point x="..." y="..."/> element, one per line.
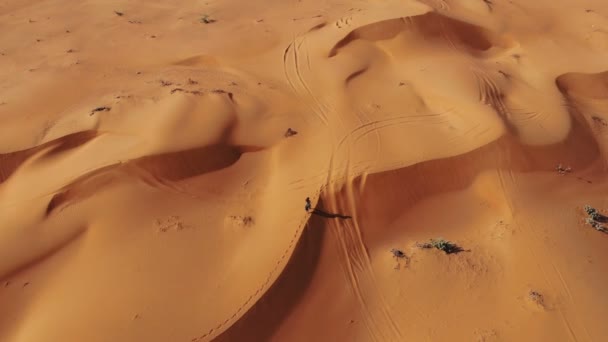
<point x="148" y="191"/>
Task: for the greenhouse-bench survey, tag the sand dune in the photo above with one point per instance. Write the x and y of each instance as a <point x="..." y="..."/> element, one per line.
<point x="155" y="158"/>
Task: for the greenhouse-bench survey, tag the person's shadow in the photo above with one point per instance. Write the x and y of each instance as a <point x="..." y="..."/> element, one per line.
<point x="329" y="215"/>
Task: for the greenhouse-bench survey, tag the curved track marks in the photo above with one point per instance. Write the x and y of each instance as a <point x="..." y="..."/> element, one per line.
<point x="293" y="73"/>
<point x="356" y="264"/>
<point x="356" y="134"/>
<point x="490" y="94"/>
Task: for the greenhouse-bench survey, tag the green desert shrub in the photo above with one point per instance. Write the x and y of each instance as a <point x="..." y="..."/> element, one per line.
<point x="442" y="245"/>
<point x="592" y="212"/>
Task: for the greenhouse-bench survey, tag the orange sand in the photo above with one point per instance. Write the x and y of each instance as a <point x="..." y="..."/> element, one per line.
<point x="148" y="191"/>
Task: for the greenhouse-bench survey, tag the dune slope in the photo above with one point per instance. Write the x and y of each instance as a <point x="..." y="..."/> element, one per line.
<point x="155" y="158"/>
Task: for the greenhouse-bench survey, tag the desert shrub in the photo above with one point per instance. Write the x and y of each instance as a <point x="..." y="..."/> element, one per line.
<point x="536" y="297"/>
<point x="596" y="225"/>
<point x="592" y="212"/>
<point x="442" y="245"/>
<point x="397" y="253"/>
<point x="591" y="222"/>
<point x="206" y="19"/>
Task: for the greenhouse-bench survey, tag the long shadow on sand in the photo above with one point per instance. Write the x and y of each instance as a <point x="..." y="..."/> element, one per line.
<point x="329" y="215"/>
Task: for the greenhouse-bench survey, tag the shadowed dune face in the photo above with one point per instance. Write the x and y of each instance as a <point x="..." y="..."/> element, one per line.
<point x="285" y="293"/>
<point x="153" y="179"/>
<point x="591" y="86"/>
<point x="187" y="164"/>
<point x="435" y="29"/>
<point x="587" y="96"/>
<point x="163" y="168"/>
<point x="11" y="161"/>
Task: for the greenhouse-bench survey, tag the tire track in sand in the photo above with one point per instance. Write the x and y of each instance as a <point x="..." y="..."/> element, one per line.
<point x="293" y="74"/>
<point x="490" y="94"/>
<point x="355" y="260"/>
<point x="358" y="133"/>
<point x="356" y="264"/>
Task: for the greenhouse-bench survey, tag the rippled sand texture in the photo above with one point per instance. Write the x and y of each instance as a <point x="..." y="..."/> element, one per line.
<point x="148" y="191"/>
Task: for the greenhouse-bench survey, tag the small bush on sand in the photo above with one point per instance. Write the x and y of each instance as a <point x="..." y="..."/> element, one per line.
<point x="563" y="170"/>
<point x="592" y="212"/>
<point x="596" y="225"/>
<point x="206" y="19"/>
<point x="442" y="245"/>
<point x="595" y="219"/>
<point x="397" y="253"/>
<point x="536" y="297"/>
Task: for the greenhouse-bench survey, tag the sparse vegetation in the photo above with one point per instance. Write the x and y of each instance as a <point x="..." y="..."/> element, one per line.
<point x="596" y="225"/>
<point x="100" y="109"/>
<point x="222" y="91"/>
<point x="397" y="253"/>
<point x="592" y="213"/>
<point x="399" y="256"/>
<point x="490" y="4"/>
<point x="182" y="90"/>
<point x="290" y="132"/>
<point x="536" y="297"/>
<point x="595" y="219"/>
<point x="599" y="121"/>
<point x="563" y="170"/>
<point x="171" y="223"/>
<point x="247" y="220"/>
<point x="442" y="245"/>
<point x="206" y="19"/>
<point x="244" y="221"/>
<point x="118" y="13"/>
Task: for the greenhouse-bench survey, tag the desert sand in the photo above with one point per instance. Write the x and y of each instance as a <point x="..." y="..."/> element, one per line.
<point x="149" y="191"/>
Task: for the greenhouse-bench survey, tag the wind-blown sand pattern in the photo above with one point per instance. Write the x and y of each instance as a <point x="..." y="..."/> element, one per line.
<point x="149" y="192"/>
